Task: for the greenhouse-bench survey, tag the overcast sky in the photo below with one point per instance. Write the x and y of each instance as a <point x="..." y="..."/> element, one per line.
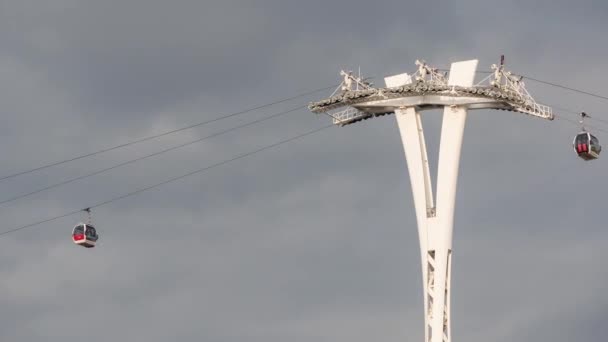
<point x="314" y="240"/>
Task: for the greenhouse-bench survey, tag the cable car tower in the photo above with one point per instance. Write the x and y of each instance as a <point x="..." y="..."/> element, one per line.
<point x="407" y="96"/>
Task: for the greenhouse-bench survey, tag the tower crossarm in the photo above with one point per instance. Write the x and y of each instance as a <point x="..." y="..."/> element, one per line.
<point x="353" y="106"/>
<point x="430" y="90"/>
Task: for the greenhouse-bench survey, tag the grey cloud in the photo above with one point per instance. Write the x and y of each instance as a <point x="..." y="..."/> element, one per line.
<point x="315" y="239"/>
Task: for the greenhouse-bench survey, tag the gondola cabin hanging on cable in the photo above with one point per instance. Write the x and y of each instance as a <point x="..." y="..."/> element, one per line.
<point x="585" y="144"/>
<point x="84" y="234"/>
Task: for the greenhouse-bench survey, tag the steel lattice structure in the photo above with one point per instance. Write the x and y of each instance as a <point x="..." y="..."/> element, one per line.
<point x="407" y="96"/>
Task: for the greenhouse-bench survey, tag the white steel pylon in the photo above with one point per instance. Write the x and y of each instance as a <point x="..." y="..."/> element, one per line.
<point x="406" y="99"/>
<point x="435" y="222"/>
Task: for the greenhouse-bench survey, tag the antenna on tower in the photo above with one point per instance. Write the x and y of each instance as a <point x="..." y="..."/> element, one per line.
<point x="498" y="72"/>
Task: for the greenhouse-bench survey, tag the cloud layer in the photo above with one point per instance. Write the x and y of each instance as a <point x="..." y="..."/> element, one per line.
<point x="316" y="239"/>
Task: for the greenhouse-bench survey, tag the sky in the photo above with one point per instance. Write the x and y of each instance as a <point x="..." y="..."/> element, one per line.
<point x="314" y="240"/>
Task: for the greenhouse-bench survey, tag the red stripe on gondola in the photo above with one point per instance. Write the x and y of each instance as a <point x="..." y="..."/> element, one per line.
<point x="584" y="147"/>
<point x="78" y="237"/>
<point x="579" y="149"/>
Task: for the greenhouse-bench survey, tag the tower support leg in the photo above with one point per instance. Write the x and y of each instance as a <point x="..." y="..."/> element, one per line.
<point x="435" y="222"/>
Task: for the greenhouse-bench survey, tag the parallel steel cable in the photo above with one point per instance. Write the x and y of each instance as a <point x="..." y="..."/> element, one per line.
<point x="267" y="147"/>
<point x="182" y="177"/>
<point x="577" y="113"/>
<point x="2" y="178"/>
<point x="570" y="111"/>
<point x="566" y="88"/>
<point x="149" y="155"/>
<point x="577" y="123"/>
<point x="563" y="118"/>
<point x="221" y="163"/>
<point x="12" y="199"/>
<point x="131" y="161"/>
<point x="548" y="83"/>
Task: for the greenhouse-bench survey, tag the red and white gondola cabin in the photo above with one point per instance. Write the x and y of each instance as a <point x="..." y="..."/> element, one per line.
<point x="84" y="235"/>
<point x="587" y="146"/>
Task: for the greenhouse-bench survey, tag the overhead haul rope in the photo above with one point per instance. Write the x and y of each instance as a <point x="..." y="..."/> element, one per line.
<point x="267" y="147"/>
<point x="2" y="178"/>
<point x="567" y="88"/>
<point x="131" y="161"/>
<point x="137" y="141"/>
<point x="55" y="185"/>
<point x="218" y="164"/>
<point x="584" y="92"/>
<point x="71" y="180"/>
